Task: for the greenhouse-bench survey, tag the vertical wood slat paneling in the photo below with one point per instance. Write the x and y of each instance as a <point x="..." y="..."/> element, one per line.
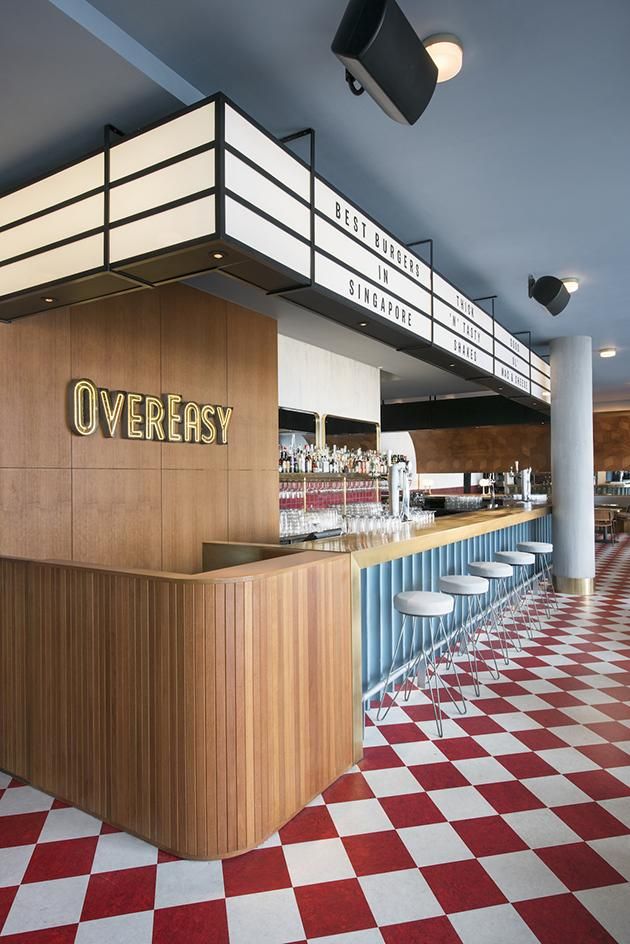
<point x="199" y="715"/>
<point x="14" y="732"/>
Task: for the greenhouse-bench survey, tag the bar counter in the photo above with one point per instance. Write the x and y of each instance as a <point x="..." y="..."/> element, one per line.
<point x="415" y="559"/>
<point x="369" y="549"/>
<point x="198" y="711"/>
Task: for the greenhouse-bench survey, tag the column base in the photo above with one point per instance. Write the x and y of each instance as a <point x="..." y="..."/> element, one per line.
<point x="579" y="586"/>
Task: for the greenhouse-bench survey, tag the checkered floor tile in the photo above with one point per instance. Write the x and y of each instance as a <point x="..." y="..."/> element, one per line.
<point x="514" y="827"/>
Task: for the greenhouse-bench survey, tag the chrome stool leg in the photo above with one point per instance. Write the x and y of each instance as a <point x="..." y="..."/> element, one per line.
<point x="419" y="604"/>
<point x="380" y="715"/>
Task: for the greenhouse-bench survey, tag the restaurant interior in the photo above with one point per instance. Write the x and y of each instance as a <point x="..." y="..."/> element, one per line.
<point x="314" y="473"/>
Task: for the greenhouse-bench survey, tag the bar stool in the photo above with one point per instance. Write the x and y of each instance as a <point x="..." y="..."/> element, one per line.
<point x="429" y="648"/>
<point x="471" y="589"/>
<point x="542" y="549"/>
<point x="521" y="561"/>
<point x="499" y="598"/>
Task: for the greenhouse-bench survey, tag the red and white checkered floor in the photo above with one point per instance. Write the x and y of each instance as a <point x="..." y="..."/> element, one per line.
<point x="512" y="829"/>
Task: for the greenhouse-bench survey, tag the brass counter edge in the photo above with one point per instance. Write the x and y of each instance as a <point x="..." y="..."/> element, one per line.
<point x="428" y="539"/>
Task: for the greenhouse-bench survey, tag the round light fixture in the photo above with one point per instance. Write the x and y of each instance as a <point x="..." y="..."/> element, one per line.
<point x="608" y="352"/>
<point x="447" y="53"/>
<point x="49" y="299"/>
<point x="571" y="284"/>
<point x="218" y="255"/>
<point x="362" y="324"/>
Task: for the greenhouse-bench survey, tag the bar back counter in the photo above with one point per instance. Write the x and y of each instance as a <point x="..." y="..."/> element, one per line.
<point x="199" y="712"/>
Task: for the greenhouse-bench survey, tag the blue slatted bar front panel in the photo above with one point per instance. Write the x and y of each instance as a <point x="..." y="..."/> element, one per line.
<point x="380" y="623"/>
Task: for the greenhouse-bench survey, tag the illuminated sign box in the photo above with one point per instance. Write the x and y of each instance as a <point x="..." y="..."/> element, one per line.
<point x="167" y="418"/>
<point x="209" y="188"/>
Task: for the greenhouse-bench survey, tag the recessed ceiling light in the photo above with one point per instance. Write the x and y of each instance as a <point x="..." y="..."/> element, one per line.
<point x="362" y="324"/>
<point x="447" y="53"/>
<point x="608" y="352"/>
<point x="218" y="255"/>
<point x="571" y="284"/>
<point x="451" y="365"/>
<point x="49" y="299"/>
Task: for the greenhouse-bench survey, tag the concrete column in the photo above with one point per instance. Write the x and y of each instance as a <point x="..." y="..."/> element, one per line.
<point x="572" y="464"/>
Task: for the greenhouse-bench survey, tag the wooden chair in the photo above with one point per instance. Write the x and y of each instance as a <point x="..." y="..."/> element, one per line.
<point x="605" y="524"/>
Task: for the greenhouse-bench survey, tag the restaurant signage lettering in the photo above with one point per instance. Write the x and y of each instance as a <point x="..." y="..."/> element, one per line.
<point x="168" y="418"/>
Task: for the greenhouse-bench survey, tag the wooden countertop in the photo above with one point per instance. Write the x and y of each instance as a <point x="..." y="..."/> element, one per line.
<point x="368" y="549"/>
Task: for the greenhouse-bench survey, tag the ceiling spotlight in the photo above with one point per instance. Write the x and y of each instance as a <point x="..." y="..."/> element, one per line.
<point x="49" y="299"/>
<point x="447" y="53"/>
<point x="549" y="292"/>
<point x="571" y="284"/>
<point x="608" y="352"/>
<point x="362" y="324"/>
<point x="451" y="365"/>
<point x="385" y="57"/>
<point x="218" y="255"/>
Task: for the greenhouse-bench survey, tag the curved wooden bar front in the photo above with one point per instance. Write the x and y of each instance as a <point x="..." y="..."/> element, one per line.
<point x="198" y="712"/>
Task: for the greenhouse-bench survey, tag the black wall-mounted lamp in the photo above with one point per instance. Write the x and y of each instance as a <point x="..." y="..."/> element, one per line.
<point x="549" y="292"/>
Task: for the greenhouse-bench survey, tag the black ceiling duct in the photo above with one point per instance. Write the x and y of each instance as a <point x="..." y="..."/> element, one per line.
<point x="380" y="50"/>
<point x="550" y="292"/>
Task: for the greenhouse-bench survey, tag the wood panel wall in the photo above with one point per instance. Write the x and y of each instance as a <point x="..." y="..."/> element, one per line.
<point x="482" y="449"/>
<point x="131" y="503"/>
<point x="611" y="436"/>
<point x="494" y="448"/>
<point x="198" y="714"/>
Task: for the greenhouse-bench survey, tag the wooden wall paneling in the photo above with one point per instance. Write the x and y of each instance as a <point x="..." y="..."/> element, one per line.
<point x="173" y="339"/>
<point x="253" y="506"/>
<point x="221" y="758"/>
<point x="116" y="343"/>
<point x="14" y="683"/>
<point x="230" y="691"/>
<point x="494" y="448"/>
<point x="252" y="361"/>
<point x="208" y="722"/>
<point x="194" y="364"/>
<point x="67" y="678"/>
<point x="247" y="836"/>
<point x="482" y="449"/>
<point x="34" y="373"/>
<point x="35" y="507"/>
<point x="116" y="518"/>
<point x="611" y="435"/>
<point x="194" y="510"/>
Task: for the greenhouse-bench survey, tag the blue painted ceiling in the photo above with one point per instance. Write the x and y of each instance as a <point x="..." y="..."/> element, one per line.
<point x="521" y="164"/>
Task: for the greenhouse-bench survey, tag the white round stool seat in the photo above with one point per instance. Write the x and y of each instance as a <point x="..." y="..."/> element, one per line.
<point x="423" y="603"/>
<point x="462" y="585"/>
<point x="516" y="558"/>
<point x="535" y="547"/>
<point x="491" y="569"/>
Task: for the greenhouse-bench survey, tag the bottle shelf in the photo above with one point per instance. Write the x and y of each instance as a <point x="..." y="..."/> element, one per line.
<point x="327" y="476"/>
